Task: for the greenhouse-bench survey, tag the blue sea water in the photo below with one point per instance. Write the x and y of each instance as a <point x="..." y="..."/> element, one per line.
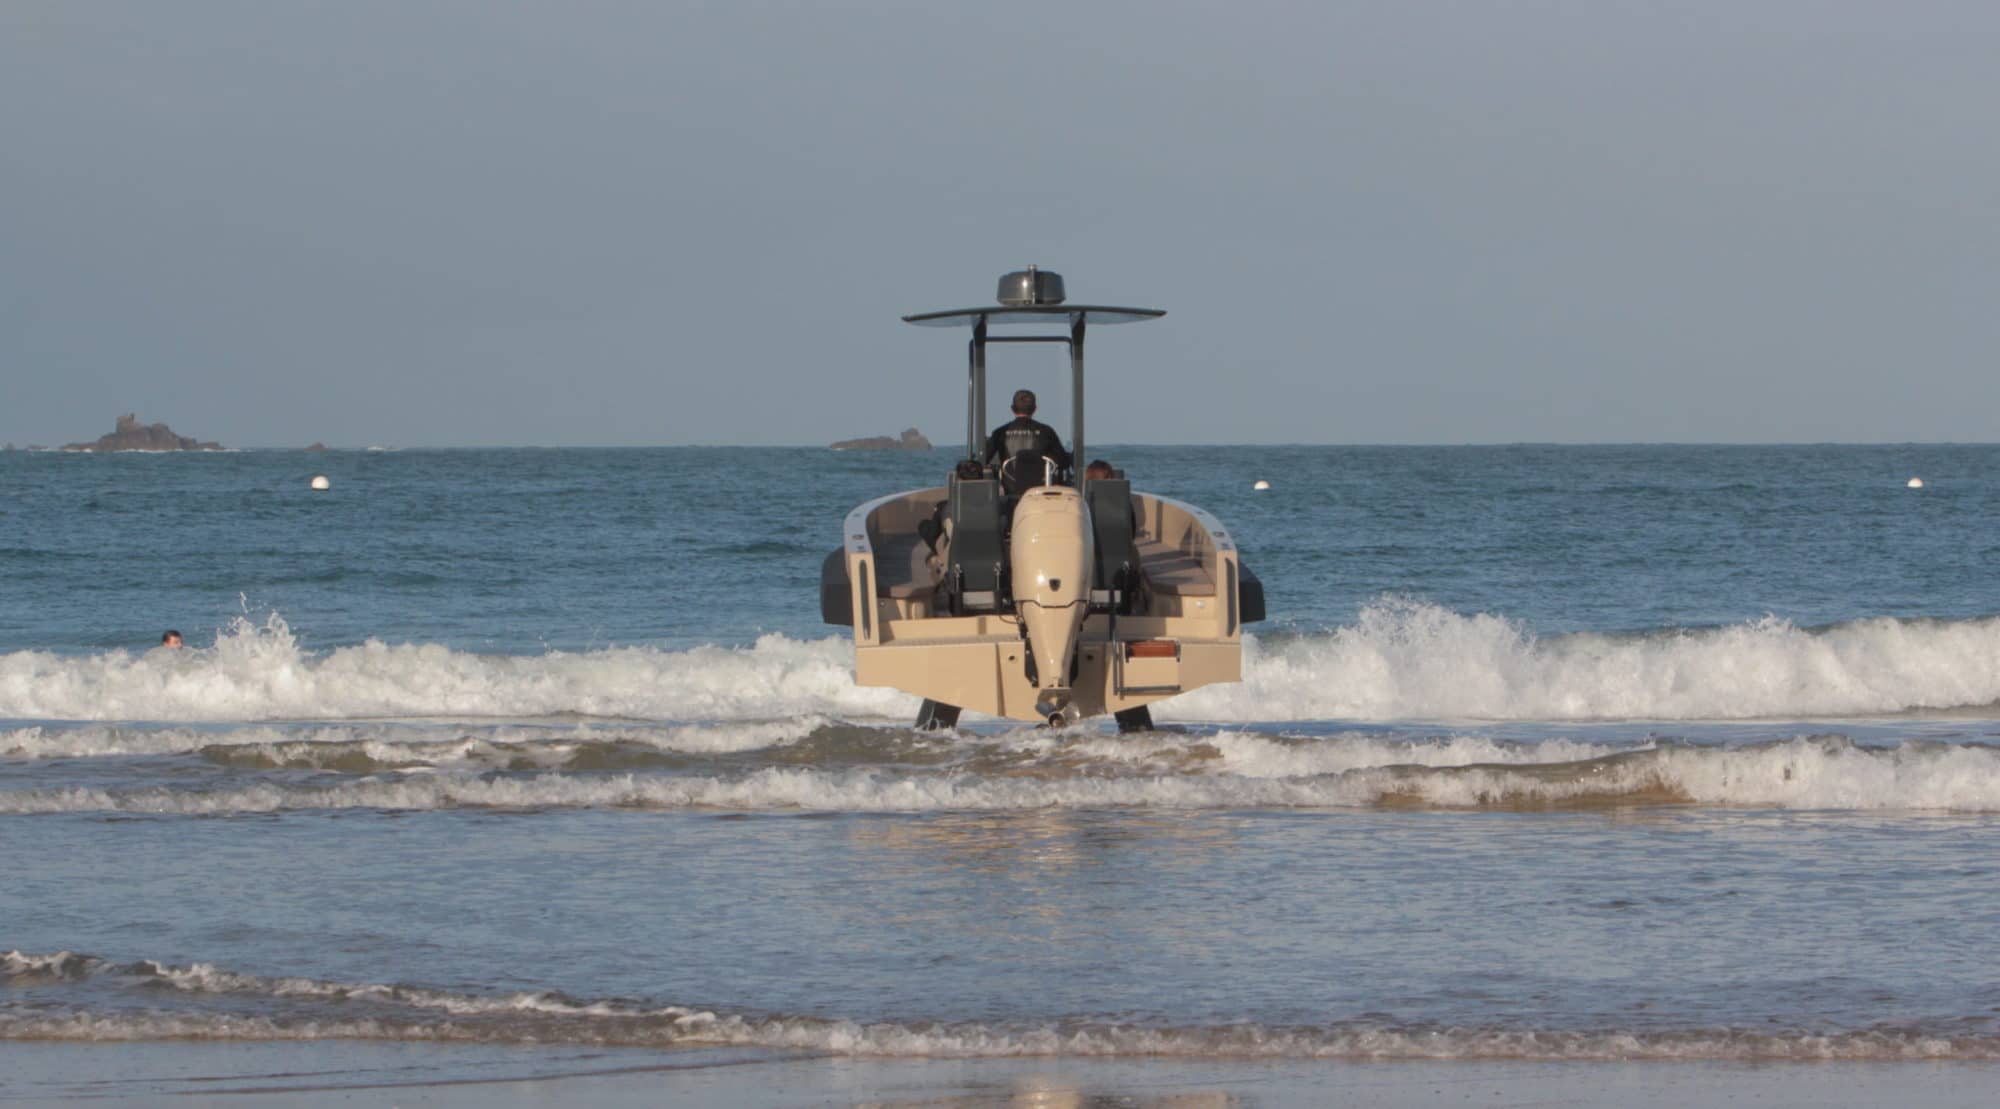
<point x="1545" y="752"/>
<point x="519" y="551"/>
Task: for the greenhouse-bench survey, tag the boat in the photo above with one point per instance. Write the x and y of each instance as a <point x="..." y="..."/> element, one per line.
<point x="1049" y="596"/>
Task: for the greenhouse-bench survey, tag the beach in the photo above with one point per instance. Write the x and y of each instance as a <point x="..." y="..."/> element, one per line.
<point x="266" y="1075"/>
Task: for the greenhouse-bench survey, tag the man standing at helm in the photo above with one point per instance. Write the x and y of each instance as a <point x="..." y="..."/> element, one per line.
<point x="1025" y="435"/>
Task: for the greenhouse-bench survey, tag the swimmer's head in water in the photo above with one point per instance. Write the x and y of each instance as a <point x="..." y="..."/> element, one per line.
<point x="172" y="638"/>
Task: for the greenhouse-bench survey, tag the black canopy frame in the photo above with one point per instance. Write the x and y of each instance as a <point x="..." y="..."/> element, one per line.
<point x="1077" y="316"/>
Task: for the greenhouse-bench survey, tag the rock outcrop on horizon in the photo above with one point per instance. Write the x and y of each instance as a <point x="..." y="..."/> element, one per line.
<point x="316" y="448"/>
<point x="911" y="440"/>
<point x="131" y="435"/>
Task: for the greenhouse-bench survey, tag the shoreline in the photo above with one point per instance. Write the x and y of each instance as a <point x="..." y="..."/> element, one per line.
<point x="317" y="1074"/>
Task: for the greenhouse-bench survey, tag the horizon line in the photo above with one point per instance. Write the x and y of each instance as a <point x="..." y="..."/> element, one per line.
<point x="386" y="448"/>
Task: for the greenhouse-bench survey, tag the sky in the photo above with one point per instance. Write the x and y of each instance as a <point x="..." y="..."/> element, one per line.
<point x="421" y="223"/>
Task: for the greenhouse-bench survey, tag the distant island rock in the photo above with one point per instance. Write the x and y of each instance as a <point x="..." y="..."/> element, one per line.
<point x="911" y="440"/>
<point x="131" y="435"/>
<point x="316" y="448"/>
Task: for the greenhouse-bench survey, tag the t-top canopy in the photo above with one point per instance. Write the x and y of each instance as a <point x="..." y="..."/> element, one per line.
<point x="1034" y="313"/>
<point x="1033" y="295"/>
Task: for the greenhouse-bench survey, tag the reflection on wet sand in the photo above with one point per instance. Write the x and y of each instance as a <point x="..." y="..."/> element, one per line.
<point x="1039" y="854"/>
<point x="1034" y="1091"/>
<point x="1049" y="840"/>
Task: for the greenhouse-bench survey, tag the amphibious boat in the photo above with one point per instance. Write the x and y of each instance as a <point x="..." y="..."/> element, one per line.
<point x="1032" y="593"/>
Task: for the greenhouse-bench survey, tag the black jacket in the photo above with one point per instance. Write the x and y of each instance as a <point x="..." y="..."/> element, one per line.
<point x="1025" y="433"/>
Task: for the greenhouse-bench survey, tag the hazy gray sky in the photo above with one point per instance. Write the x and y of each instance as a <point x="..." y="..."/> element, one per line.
<point x="422" y="223"/>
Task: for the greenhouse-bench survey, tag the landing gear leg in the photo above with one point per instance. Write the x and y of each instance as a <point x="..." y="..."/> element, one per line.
<point x="936" y="715"/>
<point x="1135" y="720"/>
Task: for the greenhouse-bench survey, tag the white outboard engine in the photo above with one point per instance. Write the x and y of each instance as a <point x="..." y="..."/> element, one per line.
<point x="1051" y="553"/>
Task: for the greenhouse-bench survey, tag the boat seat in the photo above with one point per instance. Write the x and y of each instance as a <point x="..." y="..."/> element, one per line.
<point x="1172" y="571"/>
<point x="1250" y="590"/>
<point x="836" y="599"/>
<point x="901" y="571"/>
<point x="1111" y="517"/>
<point x="978" y="549"/>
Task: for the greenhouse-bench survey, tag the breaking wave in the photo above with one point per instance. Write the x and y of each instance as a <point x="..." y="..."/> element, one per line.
<point x="1403" y="660"/>
<point x="374" y="747"/>
<point x="258" y="672"/>
<point x="1400" y="660"/>
<point x="80" y="998"/>
<point x="1227" y="771"/>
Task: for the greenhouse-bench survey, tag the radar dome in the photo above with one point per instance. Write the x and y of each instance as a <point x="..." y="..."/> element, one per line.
<point x="1031" y="286"/>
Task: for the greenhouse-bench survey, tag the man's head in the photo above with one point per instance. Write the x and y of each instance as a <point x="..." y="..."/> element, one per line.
<point x="1024" y="402"/>
<point x="1098" y="470"/>
<point x="172" y="638"/>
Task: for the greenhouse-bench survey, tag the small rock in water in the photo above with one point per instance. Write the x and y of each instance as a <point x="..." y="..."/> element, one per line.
<point x="131" y="435"/>
<point x="1261" y="484"/>
<point x="321" y="483"/>
<point x="1916" y="483"/>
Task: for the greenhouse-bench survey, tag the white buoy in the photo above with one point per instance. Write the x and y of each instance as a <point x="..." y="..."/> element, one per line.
<point x="321" y="483"/>
<point x="1261" y="484"/>
<point x="1916" y="483"/>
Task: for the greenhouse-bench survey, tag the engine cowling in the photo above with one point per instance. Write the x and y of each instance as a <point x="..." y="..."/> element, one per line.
<point x="1051" y="552"/>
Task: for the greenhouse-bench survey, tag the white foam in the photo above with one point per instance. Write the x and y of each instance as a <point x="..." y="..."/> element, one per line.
<point x="1403" y="660"/>
<point x="208" y="978"/>
<point x="1799" y="774"/>
<point x="1252" y="755"/>
<point x="1400" y="660"/>
<point x="17" y="966"/>
<point x="316" y="1009"/>
<point x="1260" y="756"/>
<point x="1087" y="1040"/>
<point x="770" y="789"/>
<point x="394" y="745"/>
<point x="258" y="672"/>
<point x="372" y="746"/>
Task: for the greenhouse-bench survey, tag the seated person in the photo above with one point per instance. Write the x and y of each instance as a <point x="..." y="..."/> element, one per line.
<point x="1026" y="442"/>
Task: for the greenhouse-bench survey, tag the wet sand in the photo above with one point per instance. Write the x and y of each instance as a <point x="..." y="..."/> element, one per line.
<point x="317" y="1075"/>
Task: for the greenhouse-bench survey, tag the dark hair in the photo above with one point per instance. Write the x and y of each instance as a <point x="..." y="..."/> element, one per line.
<point x="1024" y="401"/>
<point x="170" y="634"/>
<point x="1098" y="466"/>
<point x="970" y="470"/>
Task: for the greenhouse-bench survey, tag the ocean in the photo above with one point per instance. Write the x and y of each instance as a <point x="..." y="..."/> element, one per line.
<point x="540" y="761"/>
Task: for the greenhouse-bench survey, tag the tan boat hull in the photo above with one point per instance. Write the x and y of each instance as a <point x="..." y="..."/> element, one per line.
<point x="1190" y="618"/>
